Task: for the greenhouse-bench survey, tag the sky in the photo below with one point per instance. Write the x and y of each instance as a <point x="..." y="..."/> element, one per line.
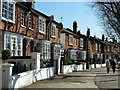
<point x="72" y="11"/>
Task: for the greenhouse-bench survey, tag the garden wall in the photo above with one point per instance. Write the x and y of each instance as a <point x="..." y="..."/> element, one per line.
<point x="26" y="78"/>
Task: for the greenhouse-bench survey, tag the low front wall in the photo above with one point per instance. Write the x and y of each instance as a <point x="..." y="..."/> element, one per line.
<point x="24" y="79"/>
<point x="71" y="68"/>
<point x="67" y="68"/>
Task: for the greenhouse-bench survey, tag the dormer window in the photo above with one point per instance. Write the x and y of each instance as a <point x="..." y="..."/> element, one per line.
<point x="41" y="25"/>
<point x="8" y="11"/>
<point x="53" y="31"/>
<point x="70" y="40"/>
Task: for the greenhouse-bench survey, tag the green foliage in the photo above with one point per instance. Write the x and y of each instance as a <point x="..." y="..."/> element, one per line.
<point x="118" y="59"/>
<point x="97" y="61"/>
<point x="6" y="54"/>
<point x="90" y="60"/>
<point x="68" y="61"/>
<point x="78" y="62"/>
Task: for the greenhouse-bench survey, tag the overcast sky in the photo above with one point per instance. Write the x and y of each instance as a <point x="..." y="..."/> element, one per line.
<point x="72" y="11"/>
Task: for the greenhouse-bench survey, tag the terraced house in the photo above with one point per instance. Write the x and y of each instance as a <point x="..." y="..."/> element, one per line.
<point x="73" y="43"/>
<point x="26" y="30"/>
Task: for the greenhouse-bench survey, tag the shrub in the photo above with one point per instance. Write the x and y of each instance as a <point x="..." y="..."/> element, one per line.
<point x="97" y="61"/>
<point x="90" y="60"/>
<point x="6" y="54"/>
<point x="68" y="61"/>
<point x="78" y="62"/>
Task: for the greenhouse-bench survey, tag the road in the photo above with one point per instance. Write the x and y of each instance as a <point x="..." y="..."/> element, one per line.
<point x="87" y="79"/>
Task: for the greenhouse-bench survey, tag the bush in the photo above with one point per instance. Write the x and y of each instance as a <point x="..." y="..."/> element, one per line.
<point x="6" y="54"/>
<point x="78" y="62"/>
<point x="90" y="60"/>
<point x="68" y="61"/>
<point x="97" y="61"/>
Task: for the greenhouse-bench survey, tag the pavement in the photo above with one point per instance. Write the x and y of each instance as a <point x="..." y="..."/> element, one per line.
<point x="96" y="78"/>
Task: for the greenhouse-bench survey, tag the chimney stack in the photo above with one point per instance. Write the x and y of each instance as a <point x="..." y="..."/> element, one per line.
<point x="75" y="27"/>
<point x="52" y="17"/>
<point x="103" y="37"/>
<point x="95" y="36"/>
<point x="61" y="25"/>
<point x="79" y="32"/>
<point x="88" y="32"/>
<point x="106" y="38"/>
<point x="33" y="4"/>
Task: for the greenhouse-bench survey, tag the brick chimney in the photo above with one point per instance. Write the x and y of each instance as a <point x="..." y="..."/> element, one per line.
<point x="33" y="4"/>
<point x="52" y="17"/>
<point x="88" y="32"/>
<point x="103" y="37"/>
<point x="95" y="36"/>
<point x="106" y="38"/>
<point x="75" y="27"/>
<point x="61" y="25"/>
<point x="79" y="32"/>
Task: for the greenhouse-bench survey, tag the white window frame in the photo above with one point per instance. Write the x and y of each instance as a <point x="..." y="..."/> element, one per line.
<point x="56" y="51"/>
<point x="96" y="46"/>
<point x="7" y="18"/>
<point x="76" y="41"/>
<point x="22" y="18"/>
<point x="81" y="42"/>
<point x="89" y="44"/>
<point x="30" y="21"/>
<point x="99" y="47"/>
<point x="118" y="49"/>
<point x="11" y="43"/>
<point x="108" y="48"/>
<point x="70" y="40"/>
<point x="53" y="30"/>
<point x="41" y="25"/>
<point x="112" y="48"/>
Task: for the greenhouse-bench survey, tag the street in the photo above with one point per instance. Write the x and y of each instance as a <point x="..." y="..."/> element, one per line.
<point x="93" y="78"/>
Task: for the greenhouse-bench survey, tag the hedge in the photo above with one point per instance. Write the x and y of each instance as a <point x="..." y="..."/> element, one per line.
<point x="68" y="61"/>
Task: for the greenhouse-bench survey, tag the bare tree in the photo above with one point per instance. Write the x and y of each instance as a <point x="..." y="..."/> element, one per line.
<point x="108" y="14"/>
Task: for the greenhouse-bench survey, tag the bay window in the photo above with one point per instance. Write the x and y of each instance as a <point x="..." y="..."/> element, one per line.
<point x="8" y="11"/>
<point x="14" y="44"/>
<point x="82" y="55"/>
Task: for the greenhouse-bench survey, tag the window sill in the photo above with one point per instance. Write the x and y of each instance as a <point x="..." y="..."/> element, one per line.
<point x="23" y="26"/>
<point x="30" y="29"/>
<point x="71" y="44"/>
<point x="41" y="32"/>
<point x="7" y="20"/>
<point x="53" y="36"/>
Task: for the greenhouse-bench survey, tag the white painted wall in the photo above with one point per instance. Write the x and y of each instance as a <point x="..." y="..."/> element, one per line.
<point x="0" y="77"/>
<point x="67" y="69"/>
<point x="24" y="79"/>
<point x="78" y="67"/>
